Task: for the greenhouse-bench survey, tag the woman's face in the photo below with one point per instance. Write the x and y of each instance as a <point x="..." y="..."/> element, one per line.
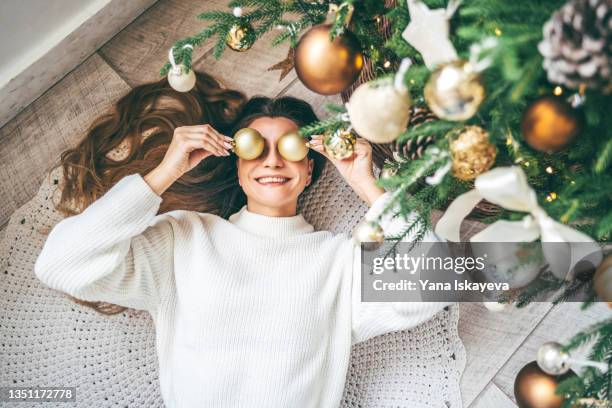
<point x="267" y="196"/>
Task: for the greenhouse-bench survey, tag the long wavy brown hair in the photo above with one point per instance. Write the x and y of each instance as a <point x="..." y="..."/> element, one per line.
<point x="135" y="135"/>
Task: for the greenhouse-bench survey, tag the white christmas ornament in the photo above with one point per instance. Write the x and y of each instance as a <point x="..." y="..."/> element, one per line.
<point x="179" y="78"/>
<point x="180" y="81"/>
<point x="380" y="110"/>
<point x="428" y="32"/>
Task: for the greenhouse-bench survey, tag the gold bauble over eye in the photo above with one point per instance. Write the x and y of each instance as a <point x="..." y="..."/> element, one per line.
<point x="248" y="143"/>
<point x="293" y="147"/>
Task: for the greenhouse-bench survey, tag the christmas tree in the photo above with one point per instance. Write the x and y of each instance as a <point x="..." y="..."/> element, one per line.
<point x="461" y="95"/>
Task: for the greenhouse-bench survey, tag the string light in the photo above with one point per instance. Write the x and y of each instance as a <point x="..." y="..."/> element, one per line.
<point x="551" y="196"/>
<point x="549" y="170"/>
<point x="498" y="31"/>
<point x="387" y="64"/>
<point x="557" y="91"/>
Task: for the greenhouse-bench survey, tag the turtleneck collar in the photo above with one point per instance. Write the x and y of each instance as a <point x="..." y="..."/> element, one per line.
<point x="268" y="226"/>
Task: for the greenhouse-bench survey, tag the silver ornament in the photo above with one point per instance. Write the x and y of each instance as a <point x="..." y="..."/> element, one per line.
<point x="552" y="359"/>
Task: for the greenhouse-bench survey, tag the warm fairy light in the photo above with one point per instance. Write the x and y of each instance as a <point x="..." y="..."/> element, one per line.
<point x="558" y="90"/>
<point x="377" y="19"/>
<point x="526" y="164"/>
<point x="387" y="64"/>
<point x="509" y="140"/>
<point x="411" y="81"/>
<point x="552" y="196"/>
<point x="549" y="170"/>
<point x="498" y="31"/>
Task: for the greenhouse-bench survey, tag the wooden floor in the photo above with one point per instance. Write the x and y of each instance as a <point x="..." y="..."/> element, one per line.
<point x="498" y="344"/>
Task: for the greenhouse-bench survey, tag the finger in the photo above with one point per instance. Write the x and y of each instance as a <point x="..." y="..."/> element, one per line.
<point x="321" y="149"/>
<point x="194" y="144"/>
<point x="223" y="140"/>
<point x="214" y="143"/>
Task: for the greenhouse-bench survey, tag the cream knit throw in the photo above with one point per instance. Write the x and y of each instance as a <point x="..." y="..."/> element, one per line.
<point x="48" y="340"/>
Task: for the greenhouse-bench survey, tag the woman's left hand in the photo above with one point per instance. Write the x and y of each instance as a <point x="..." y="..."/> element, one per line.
<point x="356" y="170"/>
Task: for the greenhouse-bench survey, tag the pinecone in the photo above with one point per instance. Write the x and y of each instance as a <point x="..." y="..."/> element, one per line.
<point x="414" y="148"/>
<point x="577" y="46"/>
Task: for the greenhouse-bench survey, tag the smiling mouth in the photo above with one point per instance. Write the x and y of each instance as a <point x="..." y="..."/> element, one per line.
<point x="272" y="181"/>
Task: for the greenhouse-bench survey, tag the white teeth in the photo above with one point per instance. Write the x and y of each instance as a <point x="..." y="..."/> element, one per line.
<point x="272" y="179"/>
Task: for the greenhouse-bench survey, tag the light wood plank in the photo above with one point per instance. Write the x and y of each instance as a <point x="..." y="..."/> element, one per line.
<point x="247" y="71"/>
<point x="492" y="396"/>
<point x="562" y="323"/>
<point x="39" y="71"/>
<point x="31" y="143"/>
<point x="298" y="90"/>
<point x="490" y="340"/>
<point x="139" y="51"/>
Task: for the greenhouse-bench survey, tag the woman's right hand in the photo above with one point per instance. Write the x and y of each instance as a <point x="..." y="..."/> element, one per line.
<point x="190" y="145"/>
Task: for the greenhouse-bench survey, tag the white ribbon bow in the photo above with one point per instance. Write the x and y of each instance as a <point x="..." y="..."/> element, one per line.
<point x="508" y="188"/>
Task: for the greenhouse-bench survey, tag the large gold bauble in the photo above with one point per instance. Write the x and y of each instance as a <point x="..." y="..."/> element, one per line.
<point x="240" y="37"/>
<point x="293" y="147"/>
<point x="248" y="143"/>
<point x="454" y="91"/>
<point x="339" y="144"/>
<point x="369" y="234"/>
<point x="602" y="280"/>
<point x="378" y="111"/>
<point x="328" y="67"/>
<point x="471" y="152"/>
<point x="550" y="123"/>
<point x="533" y="388"/>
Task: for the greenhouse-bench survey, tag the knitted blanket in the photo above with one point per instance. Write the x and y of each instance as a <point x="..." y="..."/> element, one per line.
<point x="48" y="340"/>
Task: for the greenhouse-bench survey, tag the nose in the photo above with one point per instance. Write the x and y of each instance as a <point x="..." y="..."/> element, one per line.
<point x="271" y="156"/>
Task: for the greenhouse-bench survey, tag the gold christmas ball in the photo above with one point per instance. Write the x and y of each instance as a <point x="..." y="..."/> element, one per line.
<point x="328" y="67"/>
<point x="454" y="91"/>
<point x="248" y="143"/>
<point x="368" y="233"/>
<point x="339" y="144"/>
<point x="471" y="152"/>
<point x="550" y="123"/>
<point x="182" y="80"/>
<point x="378" y="111"/>
<point x="240" y="37"/>
<point x="293" y="147"/>
<point x="533" y="388"/>
<point x="602" y="280"/>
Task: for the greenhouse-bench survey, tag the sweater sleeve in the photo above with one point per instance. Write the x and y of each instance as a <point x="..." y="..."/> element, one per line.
<point x="117" y="250"/>
<point x="370" y="319"/>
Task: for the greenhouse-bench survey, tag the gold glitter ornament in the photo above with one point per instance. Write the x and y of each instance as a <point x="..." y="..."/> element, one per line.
<point x="369" y="233"/>
<point x="293" y="147"/>
<point x="240" y="37"/>
<point x="248" y="143"/>
<point x="471" y="152"/>
<point x="454" y="91"/>
<point x="339" y="144"/>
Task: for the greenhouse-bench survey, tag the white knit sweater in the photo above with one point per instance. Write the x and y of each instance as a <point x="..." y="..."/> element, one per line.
<point x="254" y="311"/>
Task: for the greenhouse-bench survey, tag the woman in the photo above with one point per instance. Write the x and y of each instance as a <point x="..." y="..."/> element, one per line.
<point x="255" y="310"/>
